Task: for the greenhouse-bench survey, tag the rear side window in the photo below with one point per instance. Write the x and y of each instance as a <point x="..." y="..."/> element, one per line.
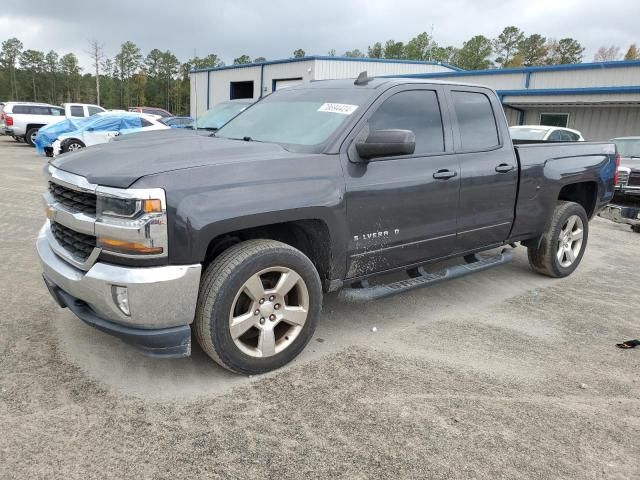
<point x="17" y="109"/>
<point x="476" y="121"/>
<point x="77" y="111"/>
<point x="145" y="123"/>
<point x="556" y="136"/>
<point x="56" y="112"/>
<point x="415" y="110"/>
<point x="94" y="110"/>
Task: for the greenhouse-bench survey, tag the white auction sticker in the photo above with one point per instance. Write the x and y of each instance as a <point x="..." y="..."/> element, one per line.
<point x="343" y="108"/>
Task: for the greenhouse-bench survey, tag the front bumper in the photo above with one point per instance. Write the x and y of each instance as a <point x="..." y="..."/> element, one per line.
<point x="162" y="300"/>
<point x="621" y="214"/>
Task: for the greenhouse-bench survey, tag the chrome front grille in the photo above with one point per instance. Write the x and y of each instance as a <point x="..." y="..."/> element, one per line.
<point x="77" y="244"/>
<point x="73" y="200"/>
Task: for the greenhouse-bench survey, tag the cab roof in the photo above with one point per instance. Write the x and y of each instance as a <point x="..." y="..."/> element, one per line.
<point x="378" y="82"/>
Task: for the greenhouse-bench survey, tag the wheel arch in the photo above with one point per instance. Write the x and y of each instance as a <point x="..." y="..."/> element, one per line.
<point x="311" y="236"/>
<point x="582" y="193"/>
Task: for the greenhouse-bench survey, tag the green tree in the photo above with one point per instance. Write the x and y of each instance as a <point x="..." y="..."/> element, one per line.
<point x="375" y="51"/>
<point x="420" y="47"/>
<point x="443" y="54"/>
<point x="9" y="55"/>
<point x="52" y="67"/>
<point x="632" y="53"/>
<point x="393" y="49"/>
<point x="259" y="60"/>
<point x="70" y="70"/>
<point x="242" y="59"/>
<point x="564" y="51"/>
<point x="533" y="50"/>
<point x="299" y="53"/>
<point x="128" y="61"/>
<point x="506" y="44"/>
<point x="33" y="61"/>
<point x="355" y="53"/>
<point x="474" y="54"/>
<point x="332" y="52"/>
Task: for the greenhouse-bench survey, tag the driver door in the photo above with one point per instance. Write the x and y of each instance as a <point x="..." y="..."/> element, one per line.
<point x="402" y="210"/>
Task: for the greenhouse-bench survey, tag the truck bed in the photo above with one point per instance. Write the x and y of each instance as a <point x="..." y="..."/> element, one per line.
<point x="548" y="166"/>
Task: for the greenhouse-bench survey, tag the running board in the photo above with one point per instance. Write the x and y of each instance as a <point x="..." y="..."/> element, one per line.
<point x="424" y="279"/>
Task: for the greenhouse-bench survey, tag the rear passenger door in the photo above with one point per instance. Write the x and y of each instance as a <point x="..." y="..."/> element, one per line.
<point x="398" y="212"/>
<point x="488" y="169"/>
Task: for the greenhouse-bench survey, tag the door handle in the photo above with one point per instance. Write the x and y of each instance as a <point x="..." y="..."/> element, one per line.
<point x="444" y="174"/>
<point x="504" y="168"/>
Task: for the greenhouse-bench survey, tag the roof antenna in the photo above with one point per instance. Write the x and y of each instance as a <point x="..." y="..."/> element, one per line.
<point x="363" y="79"/>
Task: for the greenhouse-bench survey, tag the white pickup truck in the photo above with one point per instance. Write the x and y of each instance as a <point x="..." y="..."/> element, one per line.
<point x="22" y="120"/>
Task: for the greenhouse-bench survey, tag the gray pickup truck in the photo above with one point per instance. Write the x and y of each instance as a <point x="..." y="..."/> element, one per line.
<point x="320" y="187"/>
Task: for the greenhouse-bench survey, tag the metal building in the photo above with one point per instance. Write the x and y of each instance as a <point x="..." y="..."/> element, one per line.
<point x="602" y="100"/>
<point x="254" y="80"/>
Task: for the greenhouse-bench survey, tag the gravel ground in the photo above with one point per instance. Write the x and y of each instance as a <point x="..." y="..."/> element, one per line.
<point x="505" y="374"/>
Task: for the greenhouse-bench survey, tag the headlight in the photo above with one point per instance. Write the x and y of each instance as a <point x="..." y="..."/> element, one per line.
<point x="131" y="222"/>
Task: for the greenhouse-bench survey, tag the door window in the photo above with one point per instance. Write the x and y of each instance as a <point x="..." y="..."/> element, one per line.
<point x="77" y="111"/>
<point x="415" y="110"/>
<point x="94" y="110"/>
<point x="555" y="136"/>
<point x="476" y="121"/>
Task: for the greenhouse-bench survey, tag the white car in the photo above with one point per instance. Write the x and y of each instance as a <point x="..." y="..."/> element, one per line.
<point x="105" y="127"/>
<point x="544" y="133"/>
<point x="81" y="109"/>
<point x="22" y="120"/>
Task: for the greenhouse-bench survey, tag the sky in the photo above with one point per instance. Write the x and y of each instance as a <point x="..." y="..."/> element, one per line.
<point x="275" y="28"/>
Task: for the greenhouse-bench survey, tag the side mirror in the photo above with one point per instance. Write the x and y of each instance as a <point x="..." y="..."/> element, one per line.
<point x="387" y="143"/>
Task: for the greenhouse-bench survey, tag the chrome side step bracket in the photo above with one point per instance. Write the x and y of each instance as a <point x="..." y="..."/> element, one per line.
<point x="422" y="278"/>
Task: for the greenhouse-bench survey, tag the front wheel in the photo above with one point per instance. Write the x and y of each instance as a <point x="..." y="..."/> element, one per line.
<point x="563" y="243"/>
<point x="258" y="306"/>
<point x="71" y="145"/>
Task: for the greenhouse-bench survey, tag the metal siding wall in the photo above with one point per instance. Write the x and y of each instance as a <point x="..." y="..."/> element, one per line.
<point x="609" y="77"/>
<point x="199" y="79"/>
<point x="287" y="70"/>
<point x="221" y="82"/>
<point x="595" y="123"/>
<point x="512" y="115"/>
<point x="334" y="69"/>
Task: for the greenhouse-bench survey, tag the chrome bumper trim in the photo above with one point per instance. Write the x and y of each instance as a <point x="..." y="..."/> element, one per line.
<point x="158" y="296"/>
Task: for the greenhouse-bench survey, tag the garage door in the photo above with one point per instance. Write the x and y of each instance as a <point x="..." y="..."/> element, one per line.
<point x="286" y="82"/>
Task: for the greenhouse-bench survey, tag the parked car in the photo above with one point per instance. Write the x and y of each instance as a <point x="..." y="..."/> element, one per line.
<point x="152" y="111"/>
<point x="81" y="109"/>
<point x="102" y="129"/>
<point x="220" y="114"/>
<point x="318" y="186"/>
<point x="629" y="170"/>
<point x="177" y="122"/>
<point x="544" y="133"/>
<point x="22" y="120"/>
<point x="49" y="133"/>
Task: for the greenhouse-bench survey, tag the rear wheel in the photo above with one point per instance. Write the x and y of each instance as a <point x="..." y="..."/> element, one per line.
<point x="563" y="243"/>
<point x="71" y="145"/>
<point x="258" y="306"/>
<point x="30" y="137"/>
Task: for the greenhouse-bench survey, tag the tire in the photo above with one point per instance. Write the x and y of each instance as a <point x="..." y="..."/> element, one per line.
<point x="547" y="258"/>
<point x="71" y="145"/>
<point x="30" y="136"/>
<point x="267" y="335"/>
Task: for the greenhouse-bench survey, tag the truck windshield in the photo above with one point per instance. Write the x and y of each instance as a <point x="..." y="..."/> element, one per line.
<point x="220" y="114"/>
<point x="628" y="147"/>
<point x="301" y="120"/>
<point x="528" y="133"/>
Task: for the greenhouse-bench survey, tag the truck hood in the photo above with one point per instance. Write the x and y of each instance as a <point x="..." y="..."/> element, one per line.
<point x="119" y="164"/>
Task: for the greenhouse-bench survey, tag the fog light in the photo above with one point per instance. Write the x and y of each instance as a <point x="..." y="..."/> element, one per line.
<point x="121" y="298"/>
